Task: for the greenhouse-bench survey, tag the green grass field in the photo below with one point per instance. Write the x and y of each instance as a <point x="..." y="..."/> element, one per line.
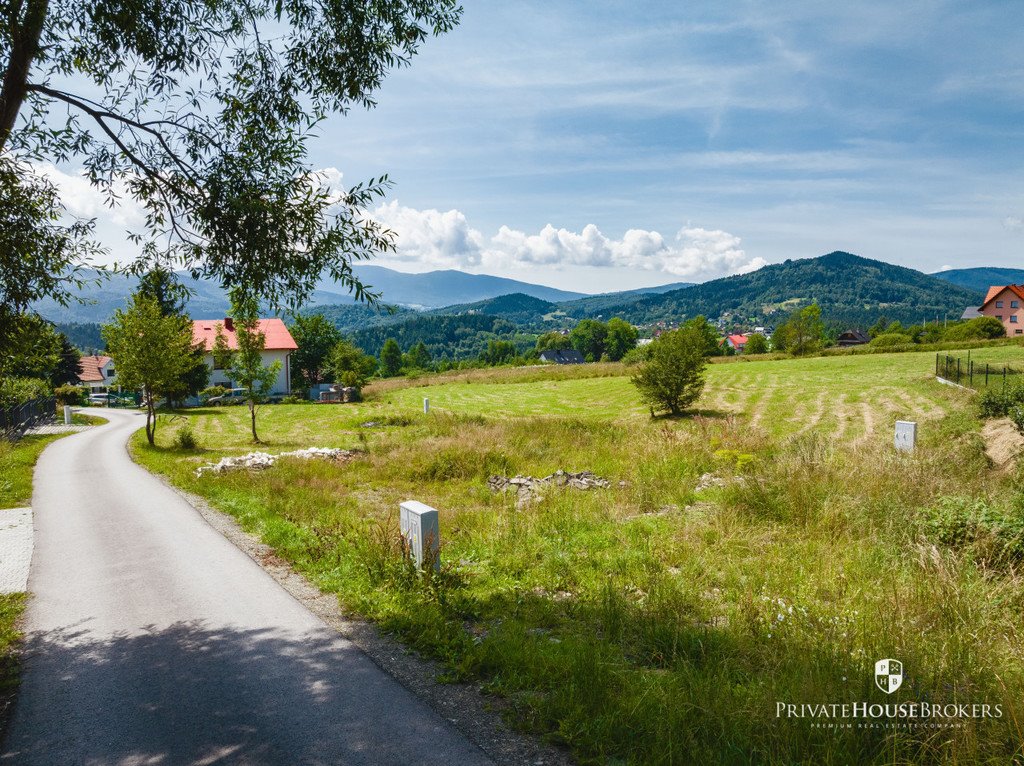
<point x="663" y="619"/>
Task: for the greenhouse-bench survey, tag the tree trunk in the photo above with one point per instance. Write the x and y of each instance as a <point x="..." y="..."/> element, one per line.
<point x="252" y="414"/>
<point x="24" y="48"/>
<point x="150" y="421"/>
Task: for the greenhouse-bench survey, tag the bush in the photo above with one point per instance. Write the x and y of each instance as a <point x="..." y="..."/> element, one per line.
<point x="996" y="403"/>
<point x="208" y="393"/>
<point x="71" y="395"/>
<point x="672" y="378"/>
<point x="890" y="339"/>
<point x="15" y="391"/>
<point x="971" y="523"/>
<point x="185" y="438"/>
<point x="293" y="399"/>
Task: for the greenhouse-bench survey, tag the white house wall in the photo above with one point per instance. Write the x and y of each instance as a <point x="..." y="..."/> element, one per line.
<point x="281" y="385"/>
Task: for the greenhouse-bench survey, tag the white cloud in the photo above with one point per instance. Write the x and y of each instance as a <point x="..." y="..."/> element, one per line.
<point x="435" y="239"/>
<point x="84" y="200"/>
<point x="432" y="237"/>
<point x="1013" y="222"/>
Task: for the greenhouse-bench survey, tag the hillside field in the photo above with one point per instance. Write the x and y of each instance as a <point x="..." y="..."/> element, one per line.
<point x="768" y="549"/>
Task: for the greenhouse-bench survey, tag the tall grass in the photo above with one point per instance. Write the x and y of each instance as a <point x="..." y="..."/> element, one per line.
<point x="658" y="621"/>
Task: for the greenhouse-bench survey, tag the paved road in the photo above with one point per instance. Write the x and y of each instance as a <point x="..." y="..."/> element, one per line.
<point x="153" y="640"/>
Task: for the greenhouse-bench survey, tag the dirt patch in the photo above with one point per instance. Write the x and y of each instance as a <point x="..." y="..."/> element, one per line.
<point x="1003" y="442"/>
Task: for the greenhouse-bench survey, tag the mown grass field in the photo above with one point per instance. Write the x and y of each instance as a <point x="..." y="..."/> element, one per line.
<point x="661" y="620"/>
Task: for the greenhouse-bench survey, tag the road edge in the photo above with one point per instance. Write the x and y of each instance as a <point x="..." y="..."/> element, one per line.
<point x="475" y="715"/>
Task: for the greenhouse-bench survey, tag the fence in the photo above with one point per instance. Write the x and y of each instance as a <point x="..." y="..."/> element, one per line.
<point x="966" y="372"/>
<point x="14" y="421"/>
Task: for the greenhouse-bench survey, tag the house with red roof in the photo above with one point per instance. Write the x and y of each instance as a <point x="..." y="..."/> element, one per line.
<point x="1004" y="302"/>
<point x="278" y="348"/>
<point x="97" y="373"/>
<point x="736" y="342"/>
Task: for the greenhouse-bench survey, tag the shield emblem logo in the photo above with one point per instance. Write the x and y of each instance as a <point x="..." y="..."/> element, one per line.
<point x="888" y="675"/>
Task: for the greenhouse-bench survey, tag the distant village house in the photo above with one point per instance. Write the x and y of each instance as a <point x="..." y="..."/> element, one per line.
<point x="278" y="348"/>
<point x="736" y="342"/>
<point x="852" y="338"/>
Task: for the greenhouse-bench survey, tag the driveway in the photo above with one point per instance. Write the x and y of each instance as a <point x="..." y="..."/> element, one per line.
<point x="151" y="639"/>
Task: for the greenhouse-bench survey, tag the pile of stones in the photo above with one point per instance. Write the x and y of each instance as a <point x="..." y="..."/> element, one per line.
<point x="259" y="461"/>
<point x="528" y="488"/>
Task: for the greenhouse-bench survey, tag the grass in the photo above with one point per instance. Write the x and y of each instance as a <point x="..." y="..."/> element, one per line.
<point x="18" y="459"/>
<point x="11" y="607"/>
<point x="660" y="620"/>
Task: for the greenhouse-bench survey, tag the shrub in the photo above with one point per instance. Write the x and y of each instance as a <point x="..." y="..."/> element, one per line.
<point x="889" y="339"/>
<point x="672" y="378"/>
<point x="185" y="438"/>
<point x="15" y="391"/>
<point x="293" y="399"/>
<point x="997" y="403"/>
<point x="208" y="393"/>
<point x="973" y="524"/>
<point x="71" y="395"/>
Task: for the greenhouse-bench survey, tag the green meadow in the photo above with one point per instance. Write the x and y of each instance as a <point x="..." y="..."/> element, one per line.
<point x="767" y="549"/>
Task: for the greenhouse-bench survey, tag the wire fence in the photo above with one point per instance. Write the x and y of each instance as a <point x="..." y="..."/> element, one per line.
<point x="15" y="421"/>
<point x="964" y="371"/>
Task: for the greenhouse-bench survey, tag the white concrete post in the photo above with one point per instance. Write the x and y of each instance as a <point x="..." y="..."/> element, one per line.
<point x="906" y="435"/>
<point x="67" y="415"/>
<point x="421" y="533"/>
<point x="426" y="405"/>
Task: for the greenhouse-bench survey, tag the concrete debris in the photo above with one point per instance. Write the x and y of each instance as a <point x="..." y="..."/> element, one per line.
<point x="707" y="481"/>
<point x="528" y="488"/>
<point x="259" y="461"/>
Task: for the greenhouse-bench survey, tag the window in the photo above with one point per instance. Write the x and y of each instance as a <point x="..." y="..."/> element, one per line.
<point x="999" y="317"/>
<point x="999" y="304"/>
<point x="1018" y="332"/>
<point x="1014" y="319"/>
<point x="1014" y="304"/>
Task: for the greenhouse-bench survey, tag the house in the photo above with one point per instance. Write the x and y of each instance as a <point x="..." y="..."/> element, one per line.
<point x="852" y="338"/>
<point x="736" y="342"/>
<point x="277" y="348"/>
<point x="562" y="356"/>
<point x="971" y="312"/>
<point x="1004" y="303"/>
<point x="97" y="373"/>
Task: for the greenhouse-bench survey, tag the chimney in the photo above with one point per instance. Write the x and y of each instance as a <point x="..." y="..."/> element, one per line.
<point x="229" y="324"/>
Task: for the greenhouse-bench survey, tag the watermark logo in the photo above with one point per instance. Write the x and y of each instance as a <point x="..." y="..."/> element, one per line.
<point x="888" y="675"/>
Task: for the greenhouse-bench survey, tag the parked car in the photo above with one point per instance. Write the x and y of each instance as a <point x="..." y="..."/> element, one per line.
<point x="99" y="400"/>
<point x="234" y="396"/>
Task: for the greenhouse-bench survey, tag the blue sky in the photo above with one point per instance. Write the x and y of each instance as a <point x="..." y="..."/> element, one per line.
<point x="601" y="146"/>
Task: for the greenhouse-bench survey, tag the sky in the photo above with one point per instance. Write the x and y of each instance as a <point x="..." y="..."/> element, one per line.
<point x="602" y="146"/>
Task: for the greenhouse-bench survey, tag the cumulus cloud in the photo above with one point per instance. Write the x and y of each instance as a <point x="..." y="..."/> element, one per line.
<point x="83" y="200"/>
<point x="1013" y="222"/>
<point x="445" y="239"/>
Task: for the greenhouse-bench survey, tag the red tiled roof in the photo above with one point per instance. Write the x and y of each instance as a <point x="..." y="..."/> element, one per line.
<point x="738" y="340"/>
<point x="994" y="291"/>
<point x="278" y="338"/>
<point x="89" y="368"/>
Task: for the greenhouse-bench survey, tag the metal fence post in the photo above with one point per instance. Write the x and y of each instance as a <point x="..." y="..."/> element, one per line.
<point x="986" y="374"/>
<point x="958" y="370"/>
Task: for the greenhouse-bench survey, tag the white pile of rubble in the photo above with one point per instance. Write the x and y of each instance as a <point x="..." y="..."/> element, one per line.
<point x="528" y="488"/>
<point x="258" y="461"/>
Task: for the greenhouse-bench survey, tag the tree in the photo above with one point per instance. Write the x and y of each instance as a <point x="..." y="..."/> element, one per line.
<point x="315" y="337"/>
<point x="38" y="350"/>
<point x="553" y="341"/>
<point x="40" y="254"/>
<point x="223" y="356"/>
<point x="247" y="369"/>
<point x="979" y="328"/>
<point x="162" y="286"/>
<point x="672" y="377"/>
<point x="390" y="358"/>
<point x="202" y="112"/>
<point x="802" y="333"/>
<point x="621" y="337"/>
<point x="588" y="337"/>
<point x="708" y="333"/>
<point x="349" y="365"/>
<point x="499" y="352"/>
<point x="756" y="344"/>
<point x="151" y="352"/>
<point x="418" y="357"/>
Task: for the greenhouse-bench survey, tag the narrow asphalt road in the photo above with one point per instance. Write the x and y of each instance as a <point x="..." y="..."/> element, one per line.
<point x="151" y="639"/>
